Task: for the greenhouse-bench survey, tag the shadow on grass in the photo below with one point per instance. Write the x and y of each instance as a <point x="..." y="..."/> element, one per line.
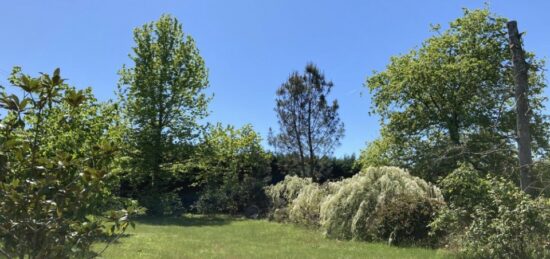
<point x="188" y="220"/>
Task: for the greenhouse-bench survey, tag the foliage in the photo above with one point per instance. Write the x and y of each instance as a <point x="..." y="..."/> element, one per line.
<point x="465" y="188"/>
<point x="232" y="168"/>
<point x="541" y="170"/>
<point x="451" y="101"/>
<point x="490" y="217"/>
<point x="305" y="209"/>
<point x="282" y="194"/>
<point x="378" y="204"/>
<point x="371" y="206"/>
<point x="163" y="100"/>
<point x="55" y="156"/>
<point x="310" y="127"/>
<point x="381" y="152"/>
<point x="331" y="168"/>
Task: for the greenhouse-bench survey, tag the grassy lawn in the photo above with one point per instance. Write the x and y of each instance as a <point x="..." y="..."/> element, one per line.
<point x="225" y="237"/>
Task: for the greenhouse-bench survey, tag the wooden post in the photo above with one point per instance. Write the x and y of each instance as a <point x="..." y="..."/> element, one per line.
<point x="522" y="108"/>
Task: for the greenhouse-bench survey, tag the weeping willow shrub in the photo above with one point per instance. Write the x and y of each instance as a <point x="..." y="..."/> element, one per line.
<point x="306" y="208"/>
<point x="381" y="203"/>
<point x="282" y="194"/>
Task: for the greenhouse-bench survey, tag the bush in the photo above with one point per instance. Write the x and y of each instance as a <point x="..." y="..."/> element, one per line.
<point x="56" y="156"/>
<point x="232" y="170"/>
<point x="384" y="203"/>
<point x="305" y="209"/>
<point x="465" y="188"/>
<point x="494" y="219"/>
<point x="281" y="195"/>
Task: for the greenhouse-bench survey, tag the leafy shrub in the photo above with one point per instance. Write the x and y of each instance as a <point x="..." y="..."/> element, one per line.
<point x="232" y="169"/>
<point x="55" y="162"/>
<point x="305" y="209"/>
<point x="405" y="220"/>
<point x="375" y="205"/>
<point x="465" y="188"/>
<point x="495" y="219"/>
<point x="281" y="195"/>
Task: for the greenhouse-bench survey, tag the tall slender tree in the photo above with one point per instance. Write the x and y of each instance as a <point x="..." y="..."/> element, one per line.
<point x="162" y="95"/>
<point x="310" y="126"/>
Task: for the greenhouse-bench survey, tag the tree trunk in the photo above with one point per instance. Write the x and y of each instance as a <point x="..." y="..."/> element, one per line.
<point x="299" y="142"/>
<point x="522" y="108"/>
<point x="312" y="158"/>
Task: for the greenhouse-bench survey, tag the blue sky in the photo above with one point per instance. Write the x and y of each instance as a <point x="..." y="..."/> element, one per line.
<point x="250" y="47"/>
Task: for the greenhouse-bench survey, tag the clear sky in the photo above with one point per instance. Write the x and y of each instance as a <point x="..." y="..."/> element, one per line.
<point x="250" y="47"/>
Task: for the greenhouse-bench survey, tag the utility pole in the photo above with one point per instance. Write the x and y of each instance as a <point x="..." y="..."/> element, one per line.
<point x="522" y="108"/>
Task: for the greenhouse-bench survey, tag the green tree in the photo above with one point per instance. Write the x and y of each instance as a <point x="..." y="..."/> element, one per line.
<point x="451" y="101"/>
<point x="310" y="127"/>
<point x="55" y="159"/>
<point x="163" y="98"/>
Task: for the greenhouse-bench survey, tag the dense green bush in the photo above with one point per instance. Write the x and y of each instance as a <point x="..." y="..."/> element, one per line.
<point x="406" y="220"/>
<point x="232" y="169"/>
<point x="384" y="203"/>
<point x="489" y="217"/>
<point x="56" y="156"/>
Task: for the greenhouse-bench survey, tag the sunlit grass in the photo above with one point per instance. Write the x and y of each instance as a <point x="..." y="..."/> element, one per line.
<point x="226" y="237"/>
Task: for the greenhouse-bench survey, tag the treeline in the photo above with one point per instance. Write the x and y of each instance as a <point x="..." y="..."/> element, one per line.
<point x="71" y="166"/>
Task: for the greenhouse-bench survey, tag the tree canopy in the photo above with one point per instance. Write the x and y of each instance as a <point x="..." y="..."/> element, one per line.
<point x="451" y="100"/>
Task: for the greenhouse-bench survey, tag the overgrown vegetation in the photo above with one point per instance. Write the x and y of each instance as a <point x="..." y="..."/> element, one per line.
<point x="231" y="168"/>
<point x="55" y="160"/>
<point x="379" y="204"/>
<point x="444" y="172"/>
<point x="490" y="217"/>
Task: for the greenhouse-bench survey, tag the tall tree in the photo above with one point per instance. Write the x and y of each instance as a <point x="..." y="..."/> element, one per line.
<point x="310" y="126"/>
<point x="452" y="101"/>
<point x="163" y="95"/>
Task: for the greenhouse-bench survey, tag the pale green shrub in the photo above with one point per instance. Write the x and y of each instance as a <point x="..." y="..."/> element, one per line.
<point x="305" y="209"/>
<point x="363" y="205"/>
<point x="283" y="193"/>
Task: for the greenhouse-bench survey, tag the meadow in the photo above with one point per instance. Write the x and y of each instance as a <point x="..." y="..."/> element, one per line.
<point x="194" y="236"/>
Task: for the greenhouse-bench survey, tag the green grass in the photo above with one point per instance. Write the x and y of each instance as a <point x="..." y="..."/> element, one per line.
<point x="226" y="237"/>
